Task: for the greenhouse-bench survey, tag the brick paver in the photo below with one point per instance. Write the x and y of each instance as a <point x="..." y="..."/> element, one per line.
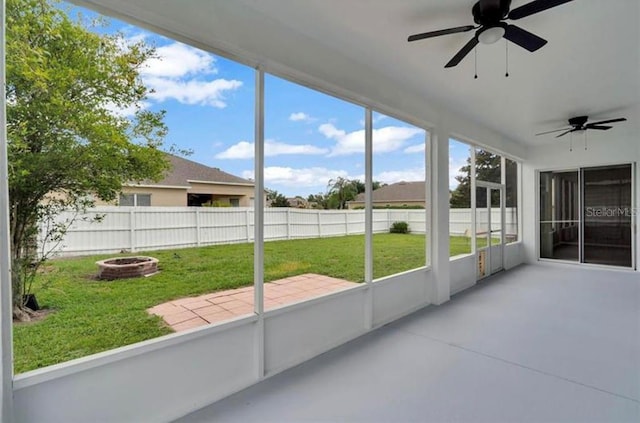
<point x="188" y="313"/>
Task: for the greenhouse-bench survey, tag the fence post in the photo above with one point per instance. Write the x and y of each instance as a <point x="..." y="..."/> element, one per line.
<point x="346" y="222"/>
<point x="319" y="225"/>
<point x="388" y="219"/>
<point x="288" y="223"/>
<point x="247" y="216"/>
<point x="198" y="227"/>
<point x="132" y="229"/>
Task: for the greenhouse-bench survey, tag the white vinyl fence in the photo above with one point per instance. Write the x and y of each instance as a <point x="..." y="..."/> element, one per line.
<point x="132" y="229"/>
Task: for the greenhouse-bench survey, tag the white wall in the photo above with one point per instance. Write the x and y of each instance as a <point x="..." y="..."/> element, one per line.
<point x="155" y="381"/>
<point x="463" y="273"/>
<point x="604" y="148"/>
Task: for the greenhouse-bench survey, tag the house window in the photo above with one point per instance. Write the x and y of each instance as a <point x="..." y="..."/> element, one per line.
<point x="143" y="200"/>
<point x="135" y="200"/>
<point x="235" y="202"/>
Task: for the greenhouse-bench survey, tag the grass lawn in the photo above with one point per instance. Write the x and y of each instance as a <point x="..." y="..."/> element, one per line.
<point x="92" y="316"/>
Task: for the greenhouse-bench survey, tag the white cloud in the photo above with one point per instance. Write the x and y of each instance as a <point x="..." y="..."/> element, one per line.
<point x="303" y="177"/>
<point x="204" y="93"/>
<point x="418" y="148"/>
<point x="179" y="72"/>
<point x="127" y="111"/>
<point x="245" y="150"/>
<point x="455" y="163"/>
<point x="387" y="139"/>
<point x="301" y="117"/>
<point x="375" y="118"/>
<point x="177" y="60"/>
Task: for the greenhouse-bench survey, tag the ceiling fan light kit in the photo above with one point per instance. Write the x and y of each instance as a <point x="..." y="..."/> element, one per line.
<point x="490" y="15"/>
<point x="491" y="35"/>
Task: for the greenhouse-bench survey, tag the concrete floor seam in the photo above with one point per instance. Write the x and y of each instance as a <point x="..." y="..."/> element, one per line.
<point x="519" y="365"/>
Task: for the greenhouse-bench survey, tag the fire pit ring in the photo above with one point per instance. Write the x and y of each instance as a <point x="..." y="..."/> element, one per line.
<point x="126" y="267"/>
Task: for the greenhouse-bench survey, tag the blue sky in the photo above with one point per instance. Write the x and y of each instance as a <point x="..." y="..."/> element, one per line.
<point x="310" y="137"/>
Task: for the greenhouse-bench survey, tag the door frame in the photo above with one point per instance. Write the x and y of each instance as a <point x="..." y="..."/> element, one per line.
<point x="634" y="216"/>
<point x="502" y="189"/>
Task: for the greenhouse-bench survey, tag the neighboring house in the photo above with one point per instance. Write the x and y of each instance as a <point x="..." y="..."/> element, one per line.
<point x="188" y="183"/>
<point x="298" y="202"/>
<point x="400" y="194"/>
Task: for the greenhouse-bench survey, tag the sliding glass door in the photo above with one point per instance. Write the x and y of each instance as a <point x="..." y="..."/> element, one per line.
<point x="607" y="215"/>
<point x="586" y="215"/>
<point x="560" y="215"/>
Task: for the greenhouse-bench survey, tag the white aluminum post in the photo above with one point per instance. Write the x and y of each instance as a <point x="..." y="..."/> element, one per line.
<point x="519" y="203"/>
<point x="6" y="303"/>
<point x="441" y="288"/>
<point x="258" y="222"/>
<point x="427" y="196"/>
<point x="489" y="254"/>
<point x="472" y="187"/>
<point x="368" y="215"/>
<point x="503" y="202"/>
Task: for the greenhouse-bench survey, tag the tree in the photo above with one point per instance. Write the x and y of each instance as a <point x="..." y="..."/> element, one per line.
<point x="67" y="142"/>
<point x="359" y="186"/>
<point x="487" y="169"/>
<point x="340" y="190"/>
<point x="318" y="201"/>
<point x="276" y="199"/>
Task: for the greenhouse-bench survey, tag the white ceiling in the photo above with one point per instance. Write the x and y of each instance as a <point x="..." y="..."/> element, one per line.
<point x="591" y="64"/>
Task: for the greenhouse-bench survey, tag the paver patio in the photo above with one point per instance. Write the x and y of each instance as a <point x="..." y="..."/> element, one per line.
<point x="191" y="312"/>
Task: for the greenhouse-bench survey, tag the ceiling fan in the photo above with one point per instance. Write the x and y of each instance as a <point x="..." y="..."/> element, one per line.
<point x="490" y="16"/>
<point x="579" y="123"/>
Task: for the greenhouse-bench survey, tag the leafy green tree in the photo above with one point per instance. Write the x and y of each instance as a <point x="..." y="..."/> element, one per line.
<point x="487" y="169"/>
<point x="359" y="186"/>
<point x="67" y="142"/>
<point x="276" y="199"/>
<point x="318" y="201"/>
<point x="340" y="190"/>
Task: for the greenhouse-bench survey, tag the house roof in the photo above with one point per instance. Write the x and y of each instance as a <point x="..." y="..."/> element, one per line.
<point x="400" y="191"/>
<point x="182" y="171"/>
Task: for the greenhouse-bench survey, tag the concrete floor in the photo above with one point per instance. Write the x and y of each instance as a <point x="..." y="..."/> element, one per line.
<point x="541" y="343"/>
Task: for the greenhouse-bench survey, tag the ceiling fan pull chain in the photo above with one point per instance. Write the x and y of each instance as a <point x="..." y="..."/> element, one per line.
<point x="585" y="140"/>
<point x="506" y="43"/>
<point x="571" y="142"/>
<point x="475" y="52"/>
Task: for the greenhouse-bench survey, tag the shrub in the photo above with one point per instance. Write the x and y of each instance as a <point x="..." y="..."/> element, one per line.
<point x="399" y="228"/>
<point x="216" y="203"/>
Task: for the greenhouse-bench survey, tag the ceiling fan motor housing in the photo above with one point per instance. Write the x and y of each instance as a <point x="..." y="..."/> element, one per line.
<point x="490" y="12"/>
<point x="578" y="121"/>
